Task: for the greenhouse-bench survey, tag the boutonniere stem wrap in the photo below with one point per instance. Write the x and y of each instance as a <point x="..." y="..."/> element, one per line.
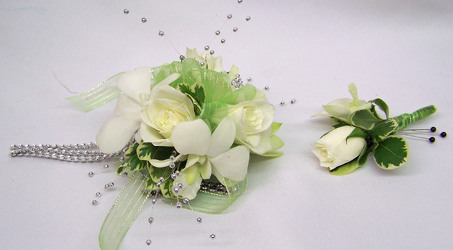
<point x="187" y="130"/>
<point x="359" y="131"/>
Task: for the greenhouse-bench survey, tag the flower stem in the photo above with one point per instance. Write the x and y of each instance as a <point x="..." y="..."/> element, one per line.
<point x="404" y="120"/>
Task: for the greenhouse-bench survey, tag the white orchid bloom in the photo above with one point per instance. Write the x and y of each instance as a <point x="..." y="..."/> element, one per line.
<point x="136" y="86"/>
<point x="343" y="108"/>
<point x="208" y="154"/>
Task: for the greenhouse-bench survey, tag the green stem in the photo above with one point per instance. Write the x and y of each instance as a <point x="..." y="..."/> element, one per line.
<point x="406" y="119"/>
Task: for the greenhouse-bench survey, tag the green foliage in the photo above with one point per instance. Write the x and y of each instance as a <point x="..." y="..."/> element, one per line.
<point x="364" y="119"/>
<point x="391" y="153"/>
<point x="357" y="132"/>
<point x="346" y="168"/>
<point x="382" y="106"/>
<point x="166" y="189"/>
<point x="384" y="129"/>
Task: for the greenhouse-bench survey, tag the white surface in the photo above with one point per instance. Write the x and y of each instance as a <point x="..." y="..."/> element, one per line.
<point x="401" y="51"/>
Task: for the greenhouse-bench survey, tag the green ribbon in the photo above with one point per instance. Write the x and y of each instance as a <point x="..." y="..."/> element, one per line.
<point x="123" y="213"/>
<point x="213" y="202"/>
<point x="97" y="96"/>
<point x="134" y="195"/>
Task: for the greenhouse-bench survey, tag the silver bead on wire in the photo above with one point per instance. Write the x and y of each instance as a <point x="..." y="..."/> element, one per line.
<point x="161" y="33"/>
<point x="247" y="18"/>
<point x="206" y="47"/>
<point x="126" y="11"/>
<point x="90" y="174"/>
<point x="98" y="194"/>
<point x="182" y="58"/>
<point x="178" y="205"/>
<point x="239" y="1"/>
<point x="148" y="242"/>
<point x="94" y="202"/>
<point x="106" y="166"/>
<point x="235" y="29"/>
<point x="222" y="41"/>
<point x="199" y="220"/>
<point x="266" y="87"/>
<point x="217" y="32"/>
<point x="282" y="103"/>
<point x="185" y="201"/>
<point x="150" y="220"/>
<point x="212" y="236"/>
<point x="293" y="101"/>
<point x="249" y="79"/>
<point x="144" y="20"/>
<point x="212" y="52"/>
<point x="229" y="16"/>
<point x="161" y="179"/>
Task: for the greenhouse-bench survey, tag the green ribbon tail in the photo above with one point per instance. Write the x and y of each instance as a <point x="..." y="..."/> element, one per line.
<point x="211" y="201"/>
<point x="123" y="213"/>
<point x="405" y="120"/>
<point x="97" y="96"/>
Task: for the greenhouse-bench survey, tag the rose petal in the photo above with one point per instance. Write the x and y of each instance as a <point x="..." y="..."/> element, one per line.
<point x="149" y="134"/>
<point x="116" y="133"/>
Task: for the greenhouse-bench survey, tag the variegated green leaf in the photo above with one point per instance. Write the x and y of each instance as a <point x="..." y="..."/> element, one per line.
<point x="346" y="168"/>
<point x="364" y="119"/>
<point x="131" y="151"/>
<point x="166" y="189"/>
<point x="145" y="151"/>
<point x="391" y="153"/>
<point x="357" y="132"/>
<point x="384" y="129"/>
<point x="382" y="106"/>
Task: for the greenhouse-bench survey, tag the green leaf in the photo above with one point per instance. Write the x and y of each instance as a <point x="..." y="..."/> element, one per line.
<point x="364" y="119"/>
<point x="131" y="151"/>
<point x="151" y="185"/>
<point x="145" y="151"/>
<point x="275" y="127"/>
<point x="357" y="132"/>
<point x="382" y="106"/>
<point x="384" y="129"/>
<point x="363" y="157"/>
<point x="196" y="94"/>
<point x="338" y="123"/>
<point x="166" y="188"/>
<point x="391" y="153"/>
<point x="136" y="164"/>
<point x="346" y="168"/>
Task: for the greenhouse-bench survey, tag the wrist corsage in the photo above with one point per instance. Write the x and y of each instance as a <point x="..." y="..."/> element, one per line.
<point x="358" y="131"/>
<point x="182" y="131"/>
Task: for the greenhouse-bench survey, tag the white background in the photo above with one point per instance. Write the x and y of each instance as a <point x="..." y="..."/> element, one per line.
<point x="401" y="51"/>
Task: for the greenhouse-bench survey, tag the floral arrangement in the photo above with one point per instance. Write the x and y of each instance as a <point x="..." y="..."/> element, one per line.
<point x="358" y="131"/>
<point x="187" y="130"/>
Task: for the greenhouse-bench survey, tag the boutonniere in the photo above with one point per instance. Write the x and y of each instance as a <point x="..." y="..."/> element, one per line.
<point x="359" y="131"/>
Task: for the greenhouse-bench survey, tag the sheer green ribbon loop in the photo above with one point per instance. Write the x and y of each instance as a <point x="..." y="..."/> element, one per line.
<point x="97" y="96"/>
<point x="213" y="202"/>
<point x="123" y="213"/>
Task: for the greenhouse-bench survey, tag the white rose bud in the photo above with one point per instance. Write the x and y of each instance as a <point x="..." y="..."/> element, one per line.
<point x="333" y="150"/>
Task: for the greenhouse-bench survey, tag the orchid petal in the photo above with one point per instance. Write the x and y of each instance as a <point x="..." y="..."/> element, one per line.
<point x="164" y="163"/>
<point x="188" y="190"/>
<point x="191" y="137"/>
<point x="116" y="133"/>
<point x="205" y="170"/>
<point x="222" y="138"/>
<point x="136" y="83"/>
<point x="126" y="106"/>
<point x="232" y="164"/>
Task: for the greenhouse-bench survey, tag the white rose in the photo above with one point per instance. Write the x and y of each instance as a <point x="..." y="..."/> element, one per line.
<point x="253" y="120"/>
<point x="165" y="108"/>
<point x="343" y="108"/>
<point x="333" y="150"/>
